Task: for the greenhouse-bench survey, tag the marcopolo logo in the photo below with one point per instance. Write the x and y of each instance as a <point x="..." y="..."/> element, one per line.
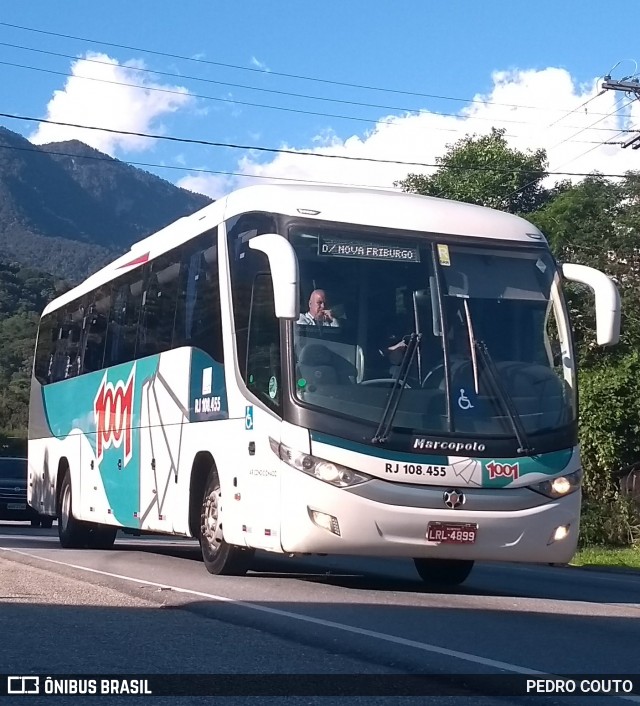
<point x="430" y="445"/>
<point x="113" y="411"/>
<point x="503" y="470"/>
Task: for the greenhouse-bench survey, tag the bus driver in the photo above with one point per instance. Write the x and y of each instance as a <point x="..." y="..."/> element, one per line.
<point x="318" y="314"/>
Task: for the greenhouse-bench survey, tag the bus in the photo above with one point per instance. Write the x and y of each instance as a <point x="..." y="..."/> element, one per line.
<point x="192" y="387"/>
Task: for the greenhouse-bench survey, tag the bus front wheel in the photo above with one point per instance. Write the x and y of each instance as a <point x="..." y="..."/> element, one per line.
<point x="71" y="532"/>
<point x="101" y="537"/>
<point x="443" y="572"/>
<point x="219" y="557"/>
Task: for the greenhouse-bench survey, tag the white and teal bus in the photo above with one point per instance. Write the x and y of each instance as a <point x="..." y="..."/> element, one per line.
<point x="179" y="390"/>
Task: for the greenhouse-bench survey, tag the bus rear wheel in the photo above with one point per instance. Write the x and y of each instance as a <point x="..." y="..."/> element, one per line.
<point x="219" y="557"/>
<point x="71" y="532"/>
<point x="443" y="572"/>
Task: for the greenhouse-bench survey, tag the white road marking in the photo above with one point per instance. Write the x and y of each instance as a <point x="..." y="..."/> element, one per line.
<point x="384" y="637"/>
<point x="423" y="646"/>
<point x="426" y="647"/>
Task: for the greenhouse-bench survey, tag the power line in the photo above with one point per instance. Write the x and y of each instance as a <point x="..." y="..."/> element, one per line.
<point x="253" y="69"/>
<point x="582" y="105"/>
<point x="631" y="84"/>
<point x="112" y="160"/>
<point x="281" y="150"/>
<point x="590" y="127"/>
<point x="617" y="110"/>
<point x="290" y="93"/>
<point x="235" y="101"/>
<point x="530" y="183"/>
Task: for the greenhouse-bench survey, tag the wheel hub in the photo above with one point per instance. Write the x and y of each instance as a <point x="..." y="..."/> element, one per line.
<point x="210" y="527"/>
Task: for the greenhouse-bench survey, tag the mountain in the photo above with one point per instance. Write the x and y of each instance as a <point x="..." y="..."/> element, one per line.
<point x="68" y="209"/>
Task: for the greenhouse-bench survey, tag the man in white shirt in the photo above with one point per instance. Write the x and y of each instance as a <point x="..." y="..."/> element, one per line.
<point x="318" y="314"/>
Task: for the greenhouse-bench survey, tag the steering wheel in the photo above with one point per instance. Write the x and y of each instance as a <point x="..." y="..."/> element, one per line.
<point x="434" y="378"/>
<point x="383" y="382"/>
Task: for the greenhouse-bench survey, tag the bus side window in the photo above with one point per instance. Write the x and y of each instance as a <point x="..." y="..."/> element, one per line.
<point x="123" y="318"/>
<point x="45" y="348"/>
<point x="198" y="317"/>
<point x="158" y="307"/>
<point x="263" y="369"/>
<point x="95" y="330"/>
<point x="66" y="355"/>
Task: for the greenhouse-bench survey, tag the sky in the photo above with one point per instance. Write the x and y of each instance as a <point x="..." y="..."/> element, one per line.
<point x="213" y="95"/>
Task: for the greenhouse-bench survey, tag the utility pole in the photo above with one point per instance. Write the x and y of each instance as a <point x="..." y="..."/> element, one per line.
<point x="626" y="86"/>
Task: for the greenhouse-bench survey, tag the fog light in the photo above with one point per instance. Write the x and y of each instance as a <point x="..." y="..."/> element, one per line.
<point x="560" y="533"/>
<point x="328" y="522"/>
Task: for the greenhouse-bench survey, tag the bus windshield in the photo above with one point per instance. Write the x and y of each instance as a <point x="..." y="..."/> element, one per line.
<point x="494" y="356"/>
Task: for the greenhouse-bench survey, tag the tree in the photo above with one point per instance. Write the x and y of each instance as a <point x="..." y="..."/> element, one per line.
<point x="595" y="223"/>
<point x="486" y="171"/>
<point x="24" y="293"/>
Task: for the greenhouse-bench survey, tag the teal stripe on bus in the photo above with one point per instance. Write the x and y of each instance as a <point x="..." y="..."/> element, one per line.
<point x="376" y="451"/>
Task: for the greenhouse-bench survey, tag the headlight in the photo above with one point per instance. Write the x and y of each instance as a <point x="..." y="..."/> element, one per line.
<point x="327" y="471"/>
<point x="560" y="486"/>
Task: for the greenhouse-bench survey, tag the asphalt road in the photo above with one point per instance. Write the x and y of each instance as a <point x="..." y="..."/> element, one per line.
<point x="148" y="606"/>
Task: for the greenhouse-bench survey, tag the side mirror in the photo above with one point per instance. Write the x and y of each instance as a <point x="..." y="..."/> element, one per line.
<point x="607" y="300"/>
<point x="284" y="272"/>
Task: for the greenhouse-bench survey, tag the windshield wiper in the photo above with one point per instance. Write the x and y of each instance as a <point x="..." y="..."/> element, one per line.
<point x="501" y="394"/>
<point x="393" y="400"/>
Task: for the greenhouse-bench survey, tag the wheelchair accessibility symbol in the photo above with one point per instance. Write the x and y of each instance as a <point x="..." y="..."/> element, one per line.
<point x="248" y="418"/>
<point x="463" y="401"/>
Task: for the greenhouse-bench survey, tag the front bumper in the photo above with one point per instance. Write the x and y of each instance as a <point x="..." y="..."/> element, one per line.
<point x="370" y="528"/>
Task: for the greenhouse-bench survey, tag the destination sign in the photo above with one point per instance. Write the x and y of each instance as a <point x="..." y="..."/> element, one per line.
<point x="368" y="251"/>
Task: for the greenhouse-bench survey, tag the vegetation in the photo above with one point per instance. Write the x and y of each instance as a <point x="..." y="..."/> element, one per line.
<point x="24" y="292"/>
<point x="616" y="558"/>
<point x="593" y="223"/>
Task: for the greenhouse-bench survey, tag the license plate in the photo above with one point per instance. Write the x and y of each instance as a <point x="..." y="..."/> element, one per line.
<point x="452" y="532"/>
<point x="16" y="506"/>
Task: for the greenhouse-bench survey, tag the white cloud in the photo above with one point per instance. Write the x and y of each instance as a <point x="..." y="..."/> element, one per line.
<point x="213" y="185"/>
<point x="259" y="64"/>
<point x="103" y="101"/>
<point x="538" y="109"/>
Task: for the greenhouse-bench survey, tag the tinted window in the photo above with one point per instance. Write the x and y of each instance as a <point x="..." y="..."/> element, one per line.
<point x="263" y="367"/>
<point x="47" y="336"/>
<point x="123" y="318"/>
<point x="245" y="265"/>
<point x="65" y="354"/>
<point x="13" y="468"/>
<point x="97" y="307"/>
<point x="169" y="302"/>
<point x="155" y="330"/>
<point x="197" y="321"/>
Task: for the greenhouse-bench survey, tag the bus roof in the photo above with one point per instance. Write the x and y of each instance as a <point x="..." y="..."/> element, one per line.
<point x="385" y="208"/>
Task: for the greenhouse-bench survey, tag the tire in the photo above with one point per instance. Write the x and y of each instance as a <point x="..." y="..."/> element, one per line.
<point x="219" y="557"/>
<point x="101" y="537"/>
<point x="35" y="523"/>
<point x="72" y="533"/>
<point x="443" y="572"/>
<point x="46" y="522"/>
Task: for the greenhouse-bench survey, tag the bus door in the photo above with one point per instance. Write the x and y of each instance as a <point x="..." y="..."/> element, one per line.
<point x="262" y="422"/>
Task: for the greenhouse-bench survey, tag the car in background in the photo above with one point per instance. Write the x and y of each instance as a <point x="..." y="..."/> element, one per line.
<point x="13" y="493"/>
